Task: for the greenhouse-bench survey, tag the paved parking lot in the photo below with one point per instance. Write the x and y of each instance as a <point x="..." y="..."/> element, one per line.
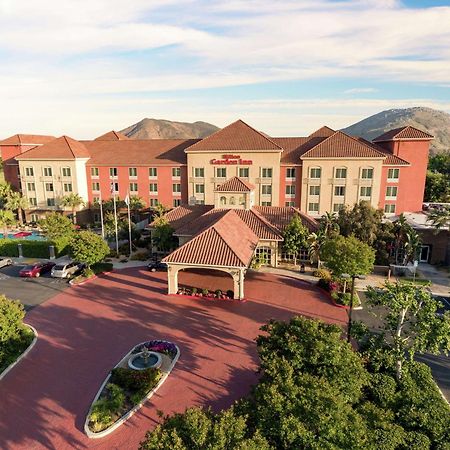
<point x="30" y="291"/>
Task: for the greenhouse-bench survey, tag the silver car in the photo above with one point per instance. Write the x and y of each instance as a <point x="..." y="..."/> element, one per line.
<point x="67" y="270"/>
<point x="4" y="262"/>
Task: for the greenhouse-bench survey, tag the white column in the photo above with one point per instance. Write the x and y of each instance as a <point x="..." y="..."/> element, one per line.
<point x="172" y="279"/>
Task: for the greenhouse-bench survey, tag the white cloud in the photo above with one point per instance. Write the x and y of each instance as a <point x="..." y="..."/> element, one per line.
<point x="360" y="90"/>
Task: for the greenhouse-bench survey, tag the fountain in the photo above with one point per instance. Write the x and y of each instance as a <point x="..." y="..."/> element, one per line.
<point x="145" y="360"/>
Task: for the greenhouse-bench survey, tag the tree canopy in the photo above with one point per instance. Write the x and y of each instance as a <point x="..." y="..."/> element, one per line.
<point x="295" y="237"/>
<point x="88" y="247"/>
<point x="437" y="187"/>
<point x="56" y="226"/>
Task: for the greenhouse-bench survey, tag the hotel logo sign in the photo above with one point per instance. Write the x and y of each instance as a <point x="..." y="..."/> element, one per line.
<point x="232" y="160"/>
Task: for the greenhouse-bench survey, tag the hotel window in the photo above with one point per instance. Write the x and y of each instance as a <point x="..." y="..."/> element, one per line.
<point x="113" y="172"/>
<point x="176" y="172"/>
<point x="266" y="189"/>
<point x="315" y="172"/>
<point x="133" y="187"/>
<point x="153" y="187"/>
<point x="337" y="207"/>
<point x="389" y="209"/>
<point x="47" y="172"/>
<point x="313" y="207"/>
<point x="244" y="172"/>
<point x="152" y="172"/>
<point x="266" y="172"/>
<point x="289" y="204"/>
<point x="221" y="172"/>
<point x="66" y="172"/>
<point x="176" y="202"/>
<point x="367" y="173"/>
<point x="199" y="202"/>
<point x="199" y="188"/>
<point x="339" y="191"/>
<point x="153" y="202"/>
<point x="314" y="190"/>
<point x="49" y="187"/>
<point x="67" y="187"/>
<point x="50" y="202"/>
<point x="34" y="217"/>
<point x="340" y="172"/>
<point x="393" y="174"/>
<point x="132" y="172"/>
<point x="96" y="201"/>
<point x="223" y="201"/>
<point x="391" y="191"/>
<point x="199" y="172"/>
<point x="266" y="203"/>
<point x="176" y="188"/>
<point x="365" y="191"/>
<point x="95" y="186"/>
<point x="290" y="172"/>
<point x="29" y="171"/>
<point x="115" y="187"/>
<point x="290" y="189"/>
<point x="31" y="187"/>
<point x="97" y="217"/>
<point x="32" y="201"/>
<point x="94" y="171"/>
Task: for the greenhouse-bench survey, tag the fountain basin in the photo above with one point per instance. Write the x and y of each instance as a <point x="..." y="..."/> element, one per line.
<point x="145" y="360"/>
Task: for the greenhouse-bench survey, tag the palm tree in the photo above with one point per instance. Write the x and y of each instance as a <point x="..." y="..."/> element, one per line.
<point x="329" y="224"/>
<point x="315" y="243"/>
<point x="6" y="220"/>
<point x="401" y="228"/>
<point x="5" y="192"/>
<point x="412" y="246"/>
<point x="16" y="202"/>
<point x="136" y="203"/>
<point x="72" y="201"/>
<point x="440" y="218"/>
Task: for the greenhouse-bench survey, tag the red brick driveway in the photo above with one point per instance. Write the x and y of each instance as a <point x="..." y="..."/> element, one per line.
<point x="84" y="331"/>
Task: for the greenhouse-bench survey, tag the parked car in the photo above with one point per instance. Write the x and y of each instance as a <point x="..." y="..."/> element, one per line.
<point x="157" y="265"/>
<point x="67" y="270"/>
<point x="5" y="262"/>
<point x="36" y="270"/>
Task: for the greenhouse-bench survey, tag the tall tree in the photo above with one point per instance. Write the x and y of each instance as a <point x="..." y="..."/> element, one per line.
<point x="5" y="192"/>
<point x="73" y="201"/>
<point x="409" y="321"/>
<point x="315" y="242"/>
<point x="56" y="226"/>
<point x="437" y="187"/>
<point x="7" y="219"/>
<point x="329" y="224"/>
<point x="295" y="237"/>
<point x="440" y="218"/>
<point x="16" y="202"/>
<point x="88" y="247"/>
<point x="136" y="203"/>
<point x="162" y="235"/>
<point x="412" y="246"/>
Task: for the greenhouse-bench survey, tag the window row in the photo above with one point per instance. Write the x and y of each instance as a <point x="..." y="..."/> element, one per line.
<point x="152" y="202"/>
<point x="232" y="201"/>
<point x="48" y="171"/>
<point x="133" y="187"/>
<point x="366" y="173"/>
<point x="32" y="201"/>
<point x="132" y="172"/>
<point x="221" y="172"/>
<point x="49" y="187"/>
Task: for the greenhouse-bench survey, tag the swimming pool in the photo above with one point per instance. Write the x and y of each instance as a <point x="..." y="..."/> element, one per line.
<point x="33" y="236"/>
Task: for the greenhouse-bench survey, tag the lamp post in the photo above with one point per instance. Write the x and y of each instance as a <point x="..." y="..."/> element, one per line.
<point x="352" y="293"/>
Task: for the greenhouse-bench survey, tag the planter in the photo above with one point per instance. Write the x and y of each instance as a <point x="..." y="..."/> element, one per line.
<point x="168" y="363"/>
<point x="23" y="355"/>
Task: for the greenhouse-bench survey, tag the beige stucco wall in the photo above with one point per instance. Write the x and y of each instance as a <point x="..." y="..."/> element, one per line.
<point x="327" y="182"/>
<point x="259" y="160"/>
<point x="77" y="178"/>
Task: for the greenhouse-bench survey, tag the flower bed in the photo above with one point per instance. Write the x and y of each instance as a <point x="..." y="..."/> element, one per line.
<point x="205" y="293"/>
<point x="125" y="390"/>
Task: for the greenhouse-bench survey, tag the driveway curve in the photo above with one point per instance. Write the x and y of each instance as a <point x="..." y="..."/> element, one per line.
<point x="87" y="329"/>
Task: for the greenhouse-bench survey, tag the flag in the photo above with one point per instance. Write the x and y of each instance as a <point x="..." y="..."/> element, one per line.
<point x="127" y="200"/>
<point x="112" y="188"/>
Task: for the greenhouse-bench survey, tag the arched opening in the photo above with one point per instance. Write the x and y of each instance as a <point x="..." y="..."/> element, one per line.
<point x="223" y="201"/>
<point x="232" y="201"/>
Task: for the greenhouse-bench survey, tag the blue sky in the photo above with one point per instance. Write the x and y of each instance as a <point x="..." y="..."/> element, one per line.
<point x="286" y="66"/>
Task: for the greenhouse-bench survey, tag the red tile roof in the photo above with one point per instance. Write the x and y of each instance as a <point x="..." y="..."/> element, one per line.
<point x="227" y="243"/>
<point x="259" y="224"/>
<point x="138" y="152"/>
<point x="323" y="132"/>
<point x="404" y="133"/>
<point x="199" y="224"/>
<point x="185" y="214"/>
<point x="112" y="136"/>
<point x="295" y="147"/>
<point x="235" y="184"/>
<point x="391" y="159"/>
<point x="63" y="147"/>
<point x="340" y="145"/>
<point x="280" y="216"/>
<point x="237" y="136"/>
<point x="27" y="139"/>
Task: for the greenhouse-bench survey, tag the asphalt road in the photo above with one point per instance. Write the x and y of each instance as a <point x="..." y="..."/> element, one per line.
<point x="30" y="291"/>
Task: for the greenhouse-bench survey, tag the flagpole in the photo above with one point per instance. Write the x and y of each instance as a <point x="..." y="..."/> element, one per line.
<point x="115" y="217"/>
<point x="129" y="221"/>
<point x="101" y="215"/>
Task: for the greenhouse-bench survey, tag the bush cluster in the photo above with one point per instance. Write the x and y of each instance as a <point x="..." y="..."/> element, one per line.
<point x="322" y="274"/>
<point x="31" y="249"/>
<point x="105" y="410"/>
<point x="135" y="381"/>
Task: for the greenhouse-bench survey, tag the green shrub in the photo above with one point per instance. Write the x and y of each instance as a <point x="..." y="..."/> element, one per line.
<point x="140" y="381"/>
<point x="194" y="290"/>
<point x="141" y="255"/>
<point x="104" y="410"/>
<point x="102" y="267"/>
<point x="218" y="292"/>
<point x="383" y="389"/>
<point x="124" y="249"/>
<point x="322" y="274"/>
<point x="205" y="292"/>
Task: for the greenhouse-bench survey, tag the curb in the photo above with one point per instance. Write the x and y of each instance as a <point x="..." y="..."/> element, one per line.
<point x="90" y="434"/>
<point x="23" y="355"/>
<point x="89" y="279"/>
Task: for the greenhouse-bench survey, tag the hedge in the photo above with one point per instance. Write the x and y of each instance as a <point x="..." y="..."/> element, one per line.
<point x="31" y="249"/>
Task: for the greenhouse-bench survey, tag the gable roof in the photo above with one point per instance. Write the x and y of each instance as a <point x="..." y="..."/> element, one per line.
<point x="280" y="216"/>
<point x="404" y="133"/>
<point x="235" y="184"/>
<point x="63" y="147"/>
<point x="27" y="139"/>
<point x="259" y="224"/>
<point x="390" y="158"/>
<point x="112" y="136"/>
<point x="341" y="145"/>
<point x="323" y="132"/>
<point x="237" y="136"/>
<point x="198" y="224"/>
<point x="229" y="242"/>
<point x="184" y="214"/>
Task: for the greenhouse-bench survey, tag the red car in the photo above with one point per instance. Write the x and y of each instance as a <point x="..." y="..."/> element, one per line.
<point x="35" y="270"/>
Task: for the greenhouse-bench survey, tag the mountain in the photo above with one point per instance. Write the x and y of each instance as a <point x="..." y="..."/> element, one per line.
<point x="166" y="129"/>
<point x="430" y="120"/>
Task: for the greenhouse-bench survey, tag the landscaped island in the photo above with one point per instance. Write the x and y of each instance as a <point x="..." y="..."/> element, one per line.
<point x="129" y="384"/>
